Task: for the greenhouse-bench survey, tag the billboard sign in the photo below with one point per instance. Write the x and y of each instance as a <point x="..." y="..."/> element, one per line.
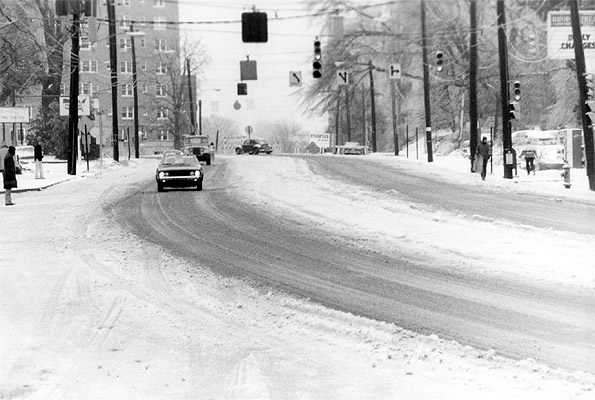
<point x="11" y="115"/>
<point x="560" y="41"/>
<point x="322" y="140"/>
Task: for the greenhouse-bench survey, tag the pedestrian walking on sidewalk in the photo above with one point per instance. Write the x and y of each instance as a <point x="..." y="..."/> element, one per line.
<point x="485" y="151"/>
<point x="529" y="155"/>
<point x="38" y="156"/>
<point x="9" y="175"/>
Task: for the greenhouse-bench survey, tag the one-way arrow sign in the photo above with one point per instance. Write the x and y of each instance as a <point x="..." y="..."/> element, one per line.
<point x="295" y="78"/>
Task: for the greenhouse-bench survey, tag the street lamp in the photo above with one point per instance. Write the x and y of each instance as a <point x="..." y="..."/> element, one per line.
<point x="132" y="35"/>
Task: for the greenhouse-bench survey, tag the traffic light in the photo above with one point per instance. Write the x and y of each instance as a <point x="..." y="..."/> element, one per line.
<point x="255" y="27"/>
<point x="517" y="90"/>
<point x="439" y="61"/>
<point x="317" y="64"/>
<point x="242" y="89"/>
<point x="514" y="110"/>
<point x="589" y="88"/>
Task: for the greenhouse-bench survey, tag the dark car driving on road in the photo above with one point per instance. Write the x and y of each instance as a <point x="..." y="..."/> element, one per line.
<point x="179" y="171"/>
<point x="254" y="146"/>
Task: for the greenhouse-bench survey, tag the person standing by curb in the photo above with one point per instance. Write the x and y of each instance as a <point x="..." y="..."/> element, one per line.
<point x="3" y="152"/>
<point x="9" y="176"/>
<point x="485" y="151"/>
<point x="38" y="157"/>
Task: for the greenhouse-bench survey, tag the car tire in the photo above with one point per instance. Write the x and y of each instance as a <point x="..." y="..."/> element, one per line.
<point x="238" y="151"/>
<point x="256" y="151"/>
<point x="160" y="187"/>
<point x="209" y="160"/>
<point x="199" y="186"/>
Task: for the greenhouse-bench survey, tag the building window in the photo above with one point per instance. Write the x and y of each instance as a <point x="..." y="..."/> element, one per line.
<point x="125" y="44"/>
<point x="142" y="20"/>
<point x="145" y="87"/>
<point x="88" y="88"/>
<point x="89" y="66"/>
<point x="161" y="69"/>
<point x="162" y="114"/>
<point x="125" y="67"/>
<point x="143" y="65"/>
<point x="143" y="43"/>
<point x="127" y="112"/>
<point x="127" y="90"/>
<point x="125" y="21"/>
<point x="159" y="23"/>
<point x="161" y="90"/>
<point x="158" y="3"/>
<point x="162" y="135"/>
<point x="126" y="2"/>
<point x="160" y="45"/>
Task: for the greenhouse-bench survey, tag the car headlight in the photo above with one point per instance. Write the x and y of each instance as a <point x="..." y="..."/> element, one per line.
<point x="161" y="174"/>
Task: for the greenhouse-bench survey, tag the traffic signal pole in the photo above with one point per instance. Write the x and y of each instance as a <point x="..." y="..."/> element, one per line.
<point x="504" y="94"/>
<point x="580" y="73"/>
<point x="426" y="69"/>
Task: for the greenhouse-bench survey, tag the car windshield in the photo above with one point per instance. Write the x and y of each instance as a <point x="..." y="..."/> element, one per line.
<point x="180" y="161"/>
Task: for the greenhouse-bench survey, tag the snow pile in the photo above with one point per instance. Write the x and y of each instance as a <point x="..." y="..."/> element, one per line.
<point x="89" y="311"/>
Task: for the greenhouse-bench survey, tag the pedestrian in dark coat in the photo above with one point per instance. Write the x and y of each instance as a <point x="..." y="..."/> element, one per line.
<point x="485" y="151"/>
<point x="9" y="176"/>
<point x="38" y="157"/>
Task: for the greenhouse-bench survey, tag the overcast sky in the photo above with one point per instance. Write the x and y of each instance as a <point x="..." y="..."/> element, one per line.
<point x="289" y="48"/>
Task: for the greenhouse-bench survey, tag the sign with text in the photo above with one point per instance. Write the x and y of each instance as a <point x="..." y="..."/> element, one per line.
<point x="322" y="140"/>
<point x="84" y="106"/>
<point x="14" y="115"/>
<point x="559" y="35"/>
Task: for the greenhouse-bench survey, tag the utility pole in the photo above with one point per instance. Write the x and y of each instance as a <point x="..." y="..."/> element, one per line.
<point x="337" y="116"/>
<point x="190" y="98"/>
<point x="73" y="108"/>
<point x="580" y="73"/>
<point x="348" y="113"/>
<point x="113" y="52"/>
<point x="473" y="131"/>
<point x="394" y="112"/>
<point x="135" y="95"/>
<point x="504" y="94"/>
<point x="426" y="82"/>
<point x="364" y="114"/>
<point x="372" y="106"/>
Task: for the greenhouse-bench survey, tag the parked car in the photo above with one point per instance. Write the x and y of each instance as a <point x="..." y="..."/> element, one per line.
<point x="172" y="152"/>
<point x="24" y="158"/>
<point x="202" y="153"/>
<point x="254" y="146"/>
<point x="179" y="171"/>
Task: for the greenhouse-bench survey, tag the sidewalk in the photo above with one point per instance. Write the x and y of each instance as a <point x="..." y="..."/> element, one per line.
<point x="55" y="172"/>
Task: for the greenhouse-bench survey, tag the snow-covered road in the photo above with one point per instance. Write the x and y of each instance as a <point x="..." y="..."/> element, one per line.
<point x="89" y="311"/>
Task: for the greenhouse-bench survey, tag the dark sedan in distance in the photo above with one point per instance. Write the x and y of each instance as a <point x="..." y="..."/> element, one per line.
<point x="179" y="171"/>
<point x="254" y="146"/>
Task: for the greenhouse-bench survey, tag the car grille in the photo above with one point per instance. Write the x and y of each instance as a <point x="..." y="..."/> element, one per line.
<point x="179" y="173"/>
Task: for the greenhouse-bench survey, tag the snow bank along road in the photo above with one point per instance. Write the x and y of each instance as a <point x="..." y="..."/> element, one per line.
<point x="357" y="243"/>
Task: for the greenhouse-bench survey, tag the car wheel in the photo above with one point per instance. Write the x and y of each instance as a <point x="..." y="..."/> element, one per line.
<point x="199" y="186"/>
<point x="238" y="151"/>
<point x="256" y="150"/>
<point x="160" y="187"/>
<point x="208" y="160"/>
